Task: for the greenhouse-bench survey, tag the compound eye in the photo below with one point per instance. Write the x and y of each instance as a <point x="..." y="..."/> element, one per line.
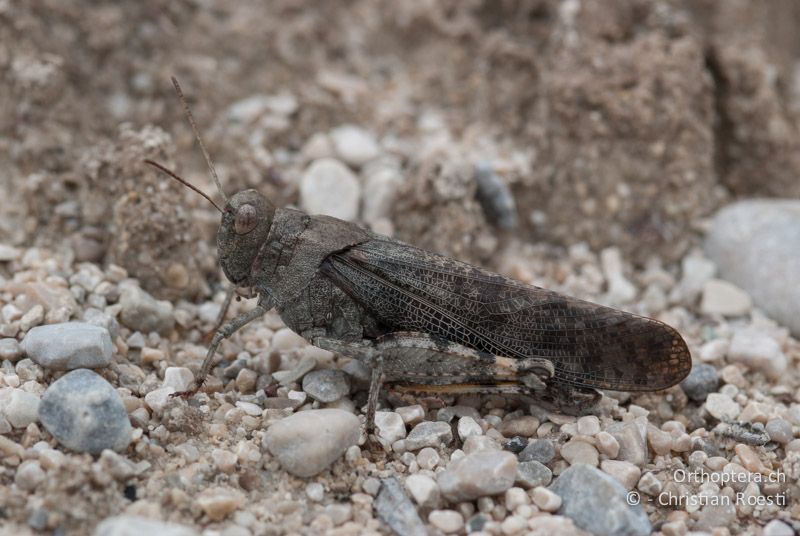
<point x="245" y="220"/>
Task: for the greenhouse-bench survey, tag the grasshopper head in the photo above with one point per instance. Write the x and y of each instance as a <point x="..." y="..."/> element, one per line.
<point x="246" y="222"/>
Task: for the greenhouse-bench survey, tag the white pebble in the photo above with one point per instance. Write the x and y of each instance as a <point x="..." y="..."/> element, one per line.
<point x="423" y="489"/>
<point x="724" y="298"/>
<point x="354" y="145"/>
<point x="315" y="491"/>
<point x="390" y="426"/>
<point x="328" y="187"/>
<point x="545" y="499"/>
<point x="448" y="521"/>
<point x="179" y="378"/>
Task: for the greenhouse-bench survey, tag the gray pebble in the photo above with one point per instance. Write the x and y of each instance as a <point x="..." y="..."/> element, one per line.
<point x="701" y="381"/>
<point x="495" y="197"/>
<point x="141" y="312"/>
<point x="130" y="525"/>
<point x="531" y="474"/>
<point x="10" y="350"/>
<point x="448" y="413"/>
<point x="327" y="385"/>
<point x="308" y="442"/>
<point x="396" y="510"/>
<point x="516" y="444"/>
<point x="20" y="408"/>
<point x="97" y="317"/>
<point x="779" y="430"/>
<point x="85" y="413"/>
<point x="288" y="377"/>
<point x="597" y="502"/>
<point x="540" y="450"/>
<point x="429" y="434"/>
<point x="360" y="374"/>
<point x="632" y="442"/>
<point x="487" y="472"/>
<point x="27" y="370"/>
<point x="69" y="346"/>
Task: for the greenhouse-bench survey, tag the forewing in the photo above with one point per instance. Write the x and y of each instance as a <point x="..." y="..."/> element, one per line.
<point x="409" y="289"/>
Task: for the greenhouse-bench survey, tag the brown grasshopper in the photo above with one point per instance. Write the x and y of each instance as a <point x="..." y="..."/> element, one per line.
<point x="426" y="323"/>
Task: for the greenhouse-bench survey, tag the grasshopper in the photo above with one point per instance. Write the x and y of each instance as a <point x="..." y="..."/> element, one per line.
<point x="426" y="323"/>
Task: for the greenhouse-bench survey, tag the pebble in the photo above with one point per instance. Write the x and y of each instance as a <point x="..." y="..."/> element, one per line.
<point x="632" y="442"/>
<point x="660" y="441"/>
<point x="620" y="290"/>
<point x="85" y="413"/>
<point x="724" y="298"/>
<point x="713" y="351"/>
<point x="33" y="317"/>
<point x="722" y="407"/>
<point x="428" y="458"/>
<point x="308" y="442"/>
<point x="715" y="515"/>
<point x="478" y="475"/>
<point x="354" y="145"/>
<point x="588" y="425"/>
<point x="702" y="380"/>
<point x="303" y="367"/>
<point x="696" y="270"/>
<point x="411" y="414"/>
<point x="627" y="473"/>
<point x="754" y="244"/>
<point x="467" y="426"/>
<point x="513" y="525"/>
<point x="545" y="499"/>
<point x="515" y="497"/>
<point x="776" y="527"/>
<point x="649" y="484"/>
<point x="779" y="430"/>
<point x="429" y="434"/>
<point x="380" y="193"/>
<point x="516" y="444"/>
<point x="447" y="521"/>
<point x="749" y="459"/>
<point x="69" y="346"/>
<point x="10" y="350"/>
<point x="327" y="385"/>
<point x="423" y="489"/>
<point x="758" y="351"/>
<point x="218" y="502"/>
<point x="328" y="187"/>
<point x="157" y="399"/>
<point x="315" y="491"/>
<point x="577" y="451"/>
<point x="179" y="378"/>
<point x="607" y="444"/>
<point x="141" y="312"/>
<point x="390" y="425"/>
<point x="394" y="508"/>
<point x="495" y="197"/>
<point x="20" y="408"/>
<point x="131" y="525"/>
<point x="479" y="443"/>
<point x="540" y="450"/>
<point x="532" y="474"/>
<point x="29" y="475"/>
<point x="524" y="426"/>
<point x="597" y="502"/>
<point x="97" y="317"/>
<point x="224" y="460"/>
<point x="285" y="339"/>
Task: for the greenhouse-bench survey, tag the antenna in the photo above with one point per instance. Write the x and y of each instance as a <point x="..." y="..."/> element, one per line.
<point x="180" y="180"/>
<point x="190" y="117"/>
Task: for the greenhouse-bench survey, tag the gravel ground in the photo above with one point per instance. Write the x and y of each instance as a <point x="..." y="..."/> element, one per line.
<point x="585" y="147"/>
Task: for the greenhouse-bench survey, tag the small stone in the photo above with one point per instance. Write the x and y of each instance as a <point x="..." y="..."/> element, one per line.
<point x="130" y="525"/>
<point x="224" y="460"/>
<point x="447" y="521"/>
<point x="285" y="339"/>
<point x="69" y="346"/>
<point x="597" y="502"/>
<point x="141" y="312"/>
<point x="649" y="484"/>
<point x="620" y="290"/>
<point x="540" y="450"/>
<point x="20" y="408"/>
<point x="423" y="489"/>
<point x="448" y="413"/>
<point x="723" y="298"/>
<point x="776" y="527"/>
<point x="354" y="145"/>
<point x="33" y="317"/>
<point x="607" y="444"/>
<point x="524" y="426"/>
<point x="179" y="378"/>
<point x="27" y="370"/>
<point x="308" y="442"/>
<point x="749" y="459"/>
<point x="85" y="413"/>
<point x="315" y="491"/>
<point x="696" y="270"/>
<point x="589" y="425"/>
<point x="380" y="193"/>
<point x="715" y="515"/>
<point x="759" y="352"/>
<point x="428" y="458"/>
<point x="516" y="444"/>
<point x="532" y="474"/>
<point x="29" y="475"/>
<point x="390" y="425"/>
<point x="479" y="443"/>
<point x="702" y="380"/>
<point x="218" y="502"/>
<point x="722" y="407"/>
<point x="429" y="434"/>
<point x="10" y="350"/>
<point x="779" y="430"/>
<point x="627" y="473"/>
<point x="478" y="475"/>
<point x="714" y="351"/>
<point x="98" y="318"/>
<point x="411" y="415"/>
<point x="468" y="427"/>
<point x="303" y="367"/>
<point x="660" y="441"/>
<point x="632" y="442"/>
<point x="9" y="253"/>
<point x="157" y="399"/>
<point x="246" y="381"/>
<point x="329" y="188"/>
<point x="327" y="385"/>
<point x="394" y="508"/>
<point x="546" y="500"/>
<point x="576" y="451"/>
